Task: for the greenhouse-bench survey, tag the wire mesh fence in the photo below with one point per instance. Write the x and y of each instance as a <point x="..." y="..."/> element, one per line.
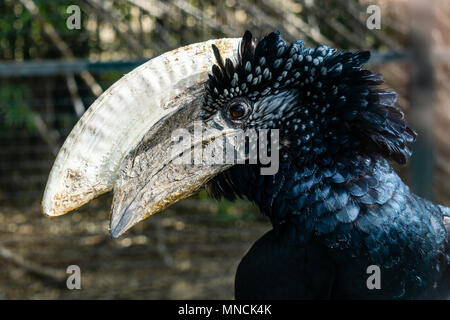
<point x="50" y="74"/>
<point x="40" y="115"/>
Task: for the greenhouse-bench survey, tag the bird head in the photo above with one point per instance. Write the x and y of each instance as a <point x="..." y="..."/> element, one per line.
<point x="319" y="101"/>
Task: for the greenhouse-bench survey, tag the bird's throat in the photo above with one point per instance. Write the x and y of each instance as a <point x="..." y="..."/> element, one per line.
<point x="316" y="198"/>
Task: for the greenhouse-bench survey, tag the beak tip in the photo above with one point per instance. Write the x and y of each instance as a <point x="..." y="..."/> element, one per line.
<point x="117" y="228"/>
<point x="114" y="233"/>
<point x="122" y="219"/>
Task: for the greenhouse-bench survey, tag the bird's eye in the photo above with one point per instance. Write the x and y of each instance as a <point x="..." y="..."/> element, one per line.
<point x="238" y="109"/>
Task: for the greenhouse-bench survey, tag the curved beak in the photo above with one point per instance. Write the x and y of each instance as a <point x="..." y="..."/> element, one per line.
<point x="125" y="141"/>
<point x="173" y="161"/>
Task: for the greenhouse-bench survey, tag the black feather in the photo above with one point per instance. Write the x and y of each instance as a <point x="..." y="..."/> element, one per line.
<point x="335" y="200"/>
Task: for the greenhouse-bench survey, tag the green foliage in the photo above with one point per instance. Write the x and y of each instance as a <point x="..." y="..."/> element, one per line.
<point x="14" y="111"/>
<point x="230" y="212"/>
<point x="22" y="35"/>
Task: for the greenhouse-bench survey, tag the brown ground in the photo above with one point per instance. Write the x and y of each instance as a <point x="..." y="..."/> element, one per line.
<point x="188" y="252"/>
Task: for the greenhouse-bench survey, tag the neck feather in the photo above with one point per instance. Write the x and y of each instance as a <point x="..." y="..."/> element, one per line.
<point x="317" y="198"/>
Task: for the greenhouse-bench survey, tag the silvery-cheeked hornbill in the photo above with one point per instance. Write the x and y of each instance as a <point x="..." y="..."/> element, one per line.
<point x="336" y="205"/>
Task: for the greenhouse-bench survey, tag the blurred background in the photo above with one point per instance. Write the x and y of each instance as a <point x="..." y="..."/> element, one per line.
<point x="50" y="74"/>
